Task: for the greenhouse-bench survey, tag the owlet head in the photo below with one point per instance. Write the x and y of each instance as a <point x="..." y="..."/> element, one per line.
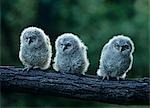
<point x="122" y="44"/>
<point x="67" y="43"/>
<point x="32" y="37"/>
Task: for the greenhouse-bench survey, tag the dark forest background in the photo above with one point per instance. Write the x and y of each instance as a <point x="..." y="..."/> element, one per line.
<point x="94" y="21"/>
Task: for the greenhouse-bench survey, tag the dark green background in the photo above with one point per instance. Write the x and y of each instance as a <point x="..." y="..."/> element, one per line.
<point x="94" y="21"/>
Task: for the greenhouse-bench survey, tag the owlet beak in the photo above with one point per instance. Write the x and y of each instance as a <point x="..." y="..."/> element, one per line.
<point x="64" y="47"/>
<point x="122" y="48"/>
<point x="29" y="41"/>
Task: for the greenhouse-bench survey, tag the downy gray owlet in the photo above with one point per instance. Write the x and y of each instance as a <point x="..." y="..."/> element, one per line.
<point x="116" y="57"/>
<point x="71" y="54"/>
<point x="35" y="49"/>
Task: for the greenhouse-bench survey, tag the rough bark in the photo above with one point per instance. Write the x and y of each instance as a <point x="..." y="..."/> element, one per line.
<point x="86" y="87"/>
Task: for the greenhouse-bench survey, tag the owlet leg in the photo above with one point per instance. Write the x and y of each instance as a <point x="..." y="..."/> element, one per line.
<point x="28" y="68"/>
<point x="105" y="77"/>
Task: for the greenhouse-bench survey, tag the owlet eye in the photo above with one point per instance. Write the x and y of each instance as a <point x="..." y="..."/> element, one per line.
<point x="126" y="46"/>
<point x="34" y="37"/>
<point x="68" y="44"/>
<point x="116" y="45"/>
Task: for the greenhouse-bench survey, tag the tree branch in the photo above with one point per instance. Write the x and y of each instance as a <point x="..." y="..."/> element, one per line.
<point x="86" y="87"/>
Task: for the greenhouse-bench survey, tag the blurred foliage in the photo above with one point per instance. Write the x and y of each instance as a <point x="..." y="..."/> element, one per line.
<point x="95" y="21"/>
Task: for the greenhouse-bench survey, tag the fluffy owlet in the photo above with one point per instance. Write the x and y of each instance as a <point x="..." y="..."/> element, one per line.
<point x="35" y="49"/>
<point x="116" y="57"/>
<point x="71" y="54"/>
